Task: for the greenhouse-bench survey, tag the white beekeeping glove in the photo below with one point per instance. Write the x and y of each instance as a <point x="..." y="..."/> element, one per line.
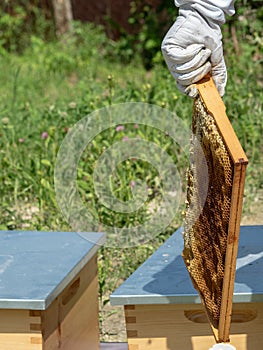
<point x="223" y="346"/>
<point x="192" y="48"/>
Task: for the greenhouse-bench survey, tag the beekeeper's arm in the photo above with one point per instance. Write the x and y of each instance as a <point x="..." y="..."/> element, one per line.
<point x="193" y="45"/>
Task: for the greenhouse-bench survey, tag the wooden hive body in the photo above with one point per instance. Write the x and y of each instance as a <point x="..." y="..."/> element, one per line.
<point x="49" y="290"/>
<point x="163" y="310"/>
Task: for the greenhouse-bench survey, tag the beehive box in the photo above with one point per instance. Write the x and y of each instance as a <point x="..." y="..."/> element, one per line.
<point x="49" y="290"/>
<point x="163" y="311"/>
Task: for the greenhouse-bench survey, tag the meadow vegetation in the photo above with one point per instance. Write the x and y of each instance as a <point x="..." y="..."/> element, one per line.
<point x="48" y="85"/>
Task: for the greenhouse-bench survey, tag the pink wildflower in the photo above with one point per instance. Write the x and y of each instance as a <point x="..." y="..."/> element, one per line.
<point x="120" y="128"/>
<point x="136" y="126"/>
<point x="44" y="135"/>
<point x="132" y="183"/>
<point x="125" y="138"/>
<point x="21" y="140"/>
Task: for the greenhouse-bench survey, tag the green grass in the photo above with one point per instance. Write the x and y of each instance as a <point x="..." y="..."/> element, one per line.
<point x="51" y="86"/>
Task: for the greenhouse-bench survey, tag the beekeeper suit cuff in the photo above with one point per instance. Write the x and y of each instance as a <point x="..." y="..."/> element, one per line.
<point x="214" y="11"/>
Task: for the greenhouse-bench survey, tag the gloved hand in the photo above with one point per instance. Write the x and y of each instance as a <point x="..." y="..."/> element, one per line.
<point x="192" y="48"/>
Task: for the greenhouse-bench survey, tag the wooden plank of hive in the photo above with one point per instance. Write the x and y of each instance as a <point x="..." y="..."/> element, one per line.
<point x="215" y="107"/>
<point x="231" y="253"/>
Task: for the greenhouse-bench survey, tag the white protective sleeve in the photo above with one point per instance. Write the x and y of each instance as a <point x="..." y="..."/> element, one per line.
<point x="212" y="11"/>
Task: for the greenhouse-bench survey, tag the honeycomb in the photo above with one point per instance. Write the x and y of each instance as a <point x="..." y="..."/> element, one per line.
<point x="206" y="229"/>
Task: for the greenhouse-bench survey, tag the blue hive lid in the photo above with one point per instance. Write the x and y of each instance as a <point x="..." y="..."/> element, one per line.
<point x="164" y="279"/>
<point x="36" y="266"/>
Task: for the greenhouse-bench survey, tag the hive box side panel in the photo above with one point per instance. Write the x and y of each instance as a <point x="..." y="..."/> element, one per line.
<point x="164" y="327"/>
<point x="20" y="329"/>
<point x="251" y="329"/>
<point x="71" y="322"/>
<point x="185" y="327"/>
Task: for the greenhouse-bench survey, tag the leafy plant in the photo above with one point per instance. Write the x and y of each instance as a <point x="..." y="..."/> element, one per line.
<point x="19" y="20"/>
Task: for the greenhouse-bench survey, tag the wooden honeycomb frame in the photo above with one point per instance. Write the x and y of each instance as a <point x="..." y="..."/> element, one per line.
<point x="215" y="108"/>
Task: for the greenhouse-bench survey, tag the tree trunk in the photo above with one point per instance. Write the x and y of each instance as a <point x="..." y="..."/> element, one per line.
<point x="63" y="16"/>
